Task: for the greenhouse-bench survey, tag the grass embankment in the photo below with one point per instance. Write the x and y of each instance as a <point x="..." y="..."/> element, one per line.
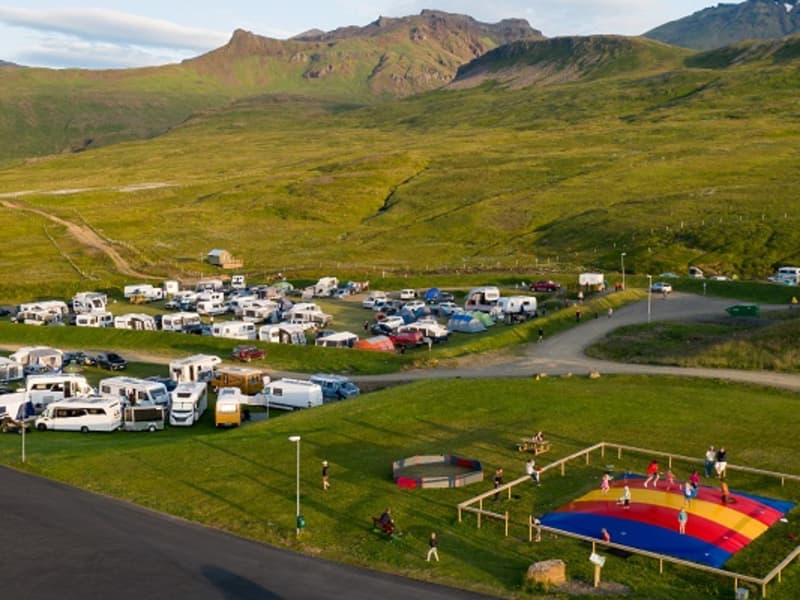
<point x="760" y="344"/>
<point x="243" y="480"/>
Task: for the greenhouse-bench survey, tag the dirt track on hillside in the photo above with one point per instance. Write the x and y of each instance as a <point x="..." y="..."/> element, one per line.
<point x="85" y="236"/>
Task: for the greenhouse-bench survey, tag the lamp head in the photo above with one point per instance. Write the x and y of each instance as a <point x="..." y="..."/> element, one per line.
<point x="294" y="438"/>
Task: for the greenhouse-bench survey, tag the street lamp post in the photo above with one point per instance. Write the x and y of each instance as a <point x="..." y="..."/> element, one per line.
<point x="622" y="262"/>
<point x="649" y="294"/>
<point x="296" y="440"/>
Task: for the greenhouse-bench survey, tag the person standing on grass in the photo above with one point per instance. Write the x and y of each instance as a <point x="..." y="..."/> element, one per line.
<point x="530" y="470"/>
<point x="325" y="483"/>
<point x="683" y="517"/>
<point x="710" y="460"/>
<point x="433" y="547"/>
<point x="652" y="474"/>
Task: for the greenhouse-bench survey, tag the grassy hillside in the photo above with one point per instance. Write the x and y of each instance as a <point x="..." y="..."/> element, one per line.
<point x="683" y="166"/>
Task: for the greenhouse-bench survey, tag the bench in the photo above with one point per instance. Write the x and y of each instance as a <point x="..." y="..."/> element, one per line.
<point x="531" y="445"/>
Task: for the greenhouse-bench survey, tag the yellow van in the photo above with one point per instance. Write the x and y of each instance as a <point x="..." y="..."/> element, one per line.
<point x="229" y="408"/>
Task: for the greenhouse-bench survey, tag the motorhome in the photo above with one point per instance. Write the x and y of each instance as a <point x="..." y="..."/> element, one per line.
<point x="95" y="319"/>
<point x="143" y="292"/>
<point x="198" y="367"/>
<point x="47" y="357"/>
<point x="516" y="306"/>
<point x="213" y="285"/>
<point x="136" y="321"/>
<point x="291" y="394"/>
<point x="132" y="391"/>
<point x="89" y="302"/>
<point x="247" y="379"/>
<point x="179" y="320"/>
<point x="14" y="409"/>
<point x="335" y="387"/>
<point x="81" y="414"/>
<point x="230" y="407"/>
<point x="45" y="389"/>
<point x="10" y="370"/>
<point x="143" y="418"/>
<point x="235" y="330"/>
<point x="211" y="307"/>
<point x="260" y="310"/>
<point x="325" y="286"/>
<point x="189" y="402"/>
<point x="482" y="299"/>
<point x="283" y="333"/>
<point x="341" y="339"/>
<point x="308" y="312"/>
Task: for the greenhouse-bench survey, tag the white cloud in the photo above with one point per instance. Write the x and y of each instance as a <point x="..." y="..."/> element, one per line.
<point x="58" y="52"/>
<point x="114" y="27"/>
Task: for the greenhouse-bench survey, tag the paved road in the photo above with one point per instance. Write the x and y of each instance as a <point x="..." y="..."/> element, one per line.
<point x="62" y="543"/>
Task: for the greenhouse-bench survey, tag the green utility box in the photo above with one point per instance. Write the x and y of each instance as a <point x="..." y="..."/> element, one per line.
<point x="301" y="522"/>
<point x="743" y="310"/>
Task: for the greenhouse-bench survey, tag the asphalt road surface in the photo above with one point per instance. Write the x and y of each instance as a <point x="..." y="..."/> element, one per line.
<point x="63" y="543"/>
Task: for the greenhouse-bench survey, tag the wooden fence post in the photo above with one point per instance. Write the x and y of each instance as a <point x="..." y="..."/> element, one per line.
<point x="506" y="523"/>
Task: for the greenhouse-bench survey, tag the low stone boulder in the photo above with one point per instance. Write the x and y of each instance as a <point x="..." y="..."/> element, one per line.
<point x="548" y="572"/>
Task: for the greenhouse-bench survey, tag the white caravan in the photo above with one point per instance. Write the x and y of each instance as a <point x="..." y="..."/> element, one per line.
<point x="179" y="321"/>
<point x="787" y="276"/>
<point x="144" y="290"/>
<point x="525" y="306"/>
<point x="95" y="319"/>
<point x="198" y="367"/>
<point x="591" y="280"/>
<point x="282" y="333"/>
<point x="10" y="370"/>
<point x="238" y="304"/>
<point x="213" y="285"/>
<point x="81" y="414"/>
<point x="429" y="329"/>
<point x="260" y="310"/>
<point x="136" y="321"/>
<point x="482" y="299"/>
<point x="189" y="402"/>
<point x="37" y="317"/>
<point x="341" y="339"/>
<point x="211" y="307"/>
<point x="291" y="394"/>
<point x="308" y="312"/>
<point x="238" y="282"/>
<point x="234" y="330"/>
<point x="89" y="302"/>
<point x="373" y="297"/>
<point x="326" y="286"/>
<point x="55" y="307"/>
<point x="132" y="391"/>
<point x="143" y="418"/>
<point x="45" y="356"/>
<point x="171" y="287"/>
<point x="45" y="389"/>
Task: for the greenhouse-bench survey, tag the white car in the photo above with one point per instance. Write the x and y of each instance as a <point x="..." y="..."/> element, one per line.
<point x="414" y="305"/>
<point x="408" y="294"/>
<point x="393" y="321"/>
<point x="661" y="287"/>
<point x="720" y="278"/>
<point x="445" y="309"/>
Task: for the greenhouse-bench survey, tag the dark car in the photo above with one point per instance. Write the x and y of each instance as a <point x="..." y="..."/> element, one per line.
<point x="381" y="329"/>
<point x="197" y="329"/>
<point x="80" y="358"/>
<point x="111" y="361"/>
<point x="247" y="353"/>
<point x="545" y="286"/>
<point x="170" y="384"/>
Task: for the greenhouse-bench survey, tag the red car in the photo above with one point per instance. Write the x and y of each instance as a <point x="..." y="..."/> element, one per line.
<point x="545" y="286"/>
<point x="407" y="339"/>
<point x="247" y="353"/>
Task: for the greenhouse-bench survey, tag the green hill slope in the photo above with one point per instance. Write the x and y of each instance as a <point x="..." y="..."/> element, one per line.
<point x="684" y="165"/>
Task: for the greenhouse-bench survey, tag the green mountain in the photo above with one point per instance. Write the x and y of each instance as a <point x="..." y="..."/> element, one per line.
<point x="49" y="111"/>
<point x="673" y="157"/>
<point x="727" y="24"/>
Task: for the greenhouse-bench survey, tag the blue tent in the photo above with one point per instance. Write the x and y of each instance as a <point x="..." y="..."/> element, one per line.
<point x="466" y="323"/>
<point x="432" y="294"/>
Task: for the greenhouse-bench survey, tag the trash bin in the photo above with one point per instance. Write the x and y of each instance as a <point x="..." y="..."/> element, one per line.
<point x="301" y="522"/>
<point x="743" y="310"/>
<point x="742" y="594"/>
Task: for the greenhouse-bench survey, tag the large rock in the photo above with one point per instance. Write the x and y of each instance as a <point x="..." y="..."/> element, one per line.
<point x="548" y="572"/>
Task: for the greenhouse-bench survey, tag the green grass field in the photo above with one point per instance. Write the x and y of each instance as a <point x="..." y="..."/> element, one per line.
<point x="243" y="480"/>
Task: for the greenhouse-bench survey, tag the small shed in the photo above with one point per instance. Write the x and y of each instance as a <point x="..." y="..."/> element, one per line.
<point x="223" y="259"/>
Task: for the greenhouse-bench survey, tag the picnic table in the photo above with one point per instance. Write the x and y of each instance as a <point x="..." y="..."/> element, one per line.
<point x="529" y="444"/>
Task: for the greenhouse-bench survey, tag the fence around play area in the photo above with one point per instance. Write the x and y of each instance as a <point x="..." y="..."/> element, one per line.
<point x="738" y="578"/>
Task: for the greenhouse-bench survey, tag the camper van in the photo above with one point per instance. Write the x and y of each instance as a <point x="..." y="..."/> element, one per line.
<point x="326" y="286"/>
<point x="482" y="299"/>
<point x="291" y="394"/>
<point x="81" y="414"/>
<point x="136" y="321"/>
<point x="230" y="407"/>
<point x="143" y="418"/>
<point x="45" y="389"/>
<point x="189" y="402"/>
<point x="143" y="292"/>
<point x="179" y="320"/>
<point x="335" y="387"/>
<point x="131" y="391"/>
<point x="89" y="302"/>
<point x="283" y="333"/>
<point x="342" y="339"/>
<point x="47" y="357"/>
<point x="198" y="367"/>
<point x="235" y="330"/>
<point x="516" y="306"/>
<point x="246" y="379"/>
<point x="10" y="370"/>
<point x="95" y="319"/>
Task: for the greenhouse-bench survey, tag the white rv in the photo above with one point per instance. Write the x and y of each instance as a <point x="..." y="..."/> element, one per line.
<point x="214" y="285"/>
<point x="145" y="291"/>
<point x="10" y="370"/>
<point x="45" y="389"/>
<point x="179" y="320"/>
<point x="171" y="287"/>
<point x="136" y="321"/>
<point x="524" y="306"/>
<point x="238" y="282"/>
<point x="260" y="310"/>
<point x="291" y="394"/>
<point x="199" y="367"/>
<point x="189" y="402"/>
<point x="81" y="414"/>
<point x="54" y="307"/>
<point x="131" y="391"/>
<point x="89" y="302"/>
<point x="326" y="286"/>
<point x="787" y="276"/>
<point x="373" y="297"/>
<point x="37" y="317"/>
<point x="211" y="307"/>
<point x="235" y="330"/>
<point x="95" y="319"/>
<point x="341" y="339"/>
<point x="482" y="299"/>
<point x="308" y="312"/>
<point x="45" y="356"/>
<point x="430" y="329"/>
<point x="595" y="280"/>
<point x="238" y="304"/>
<point x="282" y="333"/>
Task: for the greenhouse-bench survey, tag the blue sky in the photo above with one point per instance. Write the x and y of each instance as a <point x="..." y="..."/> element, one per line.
<point x="124" y="33"/>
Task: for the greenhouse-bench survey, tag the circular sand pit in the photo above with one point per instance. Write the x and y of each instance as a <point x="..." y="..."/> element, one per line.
<point x="436" y="471"/>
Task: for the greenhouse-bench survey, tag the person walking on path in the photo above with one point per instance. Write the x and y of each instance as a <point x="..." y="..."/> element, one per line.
<point x="610" y="312"/>
<point x="683" y="517"/>
<point x="432" y="547"/>
<point x="652" y="474"/>
<point x="722" y="462"/>
<point x="325" y="483"/>
<point x="541" y="335"/>
<point x="710" y="460"/>
<point x="497" y="481"/>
